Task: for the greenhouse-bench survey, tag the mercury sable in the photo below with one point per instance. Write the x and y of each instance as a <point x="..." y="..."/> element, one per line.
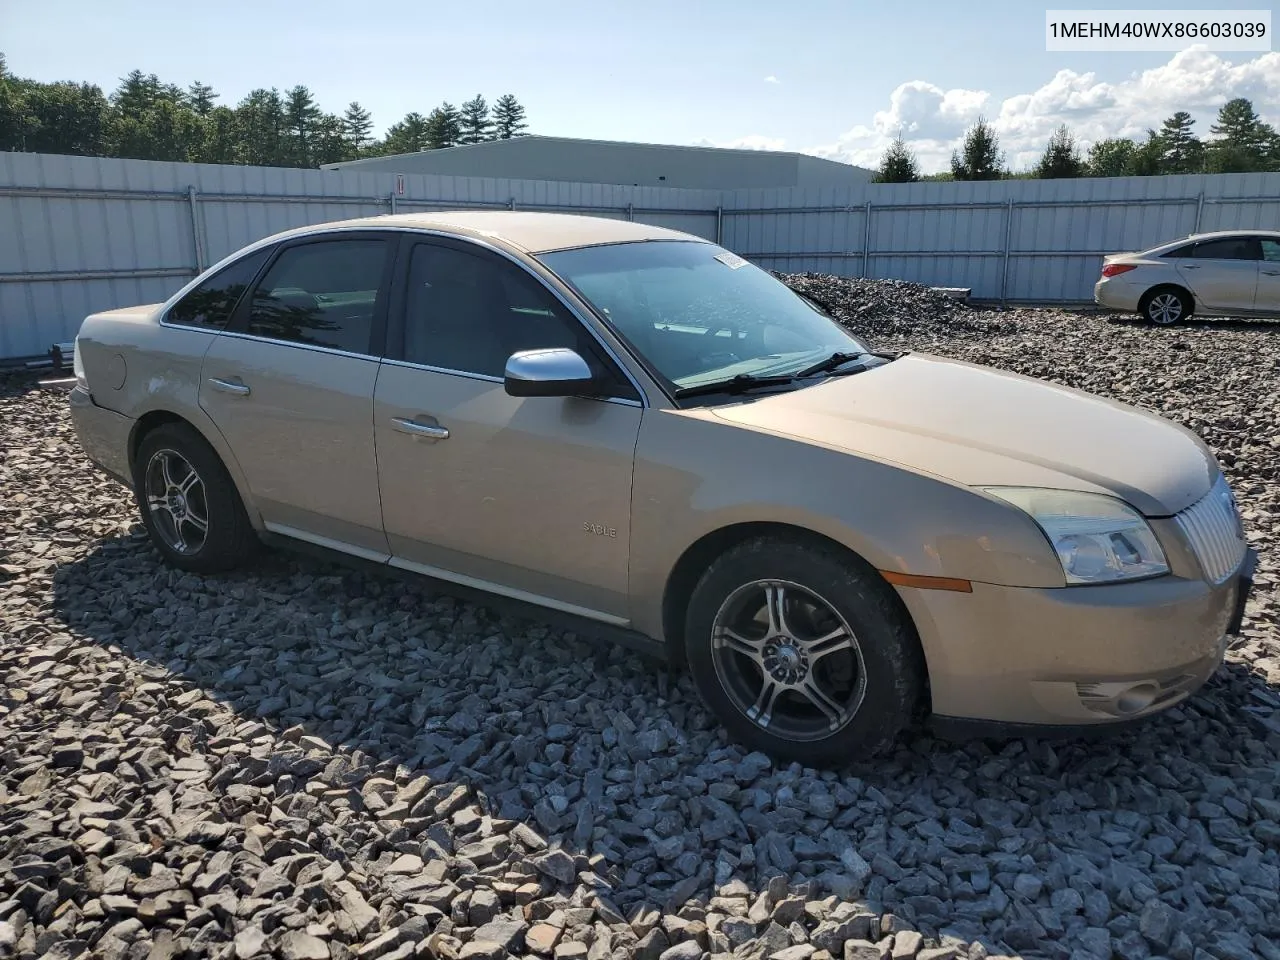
<point x="636" y="427"/>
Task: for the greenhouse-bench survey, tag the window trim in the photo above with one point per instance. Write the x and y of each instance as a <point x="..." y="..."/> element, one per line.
<point x="208" y="275"/>
<point x="393" y="352"/>
<point x="238" y="326"/>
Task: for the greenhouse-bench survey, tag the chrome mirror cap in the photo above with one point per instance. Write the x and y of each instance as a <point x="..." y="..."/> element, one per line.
<point x="552" y="372"/>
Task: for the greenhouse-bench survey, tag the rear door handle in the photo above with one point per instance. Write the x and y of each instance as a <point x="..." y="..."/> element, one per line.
<point x="434" y="431"/>
<point x="1271" y="273"/>
<point x="1191" y="266"/>
<point x="228" y="386"/>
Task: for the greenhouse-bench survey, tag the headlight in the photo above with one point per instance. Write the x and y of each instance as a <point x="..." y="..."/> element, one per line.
<point x="1098" y="539"/>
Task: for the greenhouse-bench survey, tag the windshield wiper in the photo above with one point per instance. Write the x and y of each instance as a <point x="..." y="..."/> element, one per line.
<point x="837" y="359"/>
<point x="743" y="381"/>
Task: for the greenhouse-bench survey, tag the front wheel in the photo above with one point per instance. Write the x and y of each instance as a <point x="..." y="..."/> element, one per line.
<point x="1165" y="306"/>
<point x="802" y="652"/>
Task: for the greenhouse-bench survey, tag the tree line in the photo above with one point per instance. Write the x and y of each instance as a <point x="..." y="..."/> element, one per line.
<point x="1241" y="143"/>
<point x="145" y="119"/>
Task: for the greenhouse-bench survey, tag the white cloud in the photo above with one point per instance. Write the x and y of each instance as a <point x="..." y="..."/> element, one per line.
<point x="933" y="120"/>
<point x="754" y="141"/>
<point x="771" y="79"/>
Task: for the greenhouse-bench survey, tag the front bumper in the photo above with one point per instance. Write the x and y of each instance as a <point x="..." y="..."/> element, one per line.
<point x="103" y="434"/>
<point x="1073" y="657"/>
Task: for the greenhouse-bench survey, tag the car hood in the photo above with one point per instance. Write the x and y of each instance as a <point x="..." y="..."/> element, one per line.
<point x="978" y="426"/>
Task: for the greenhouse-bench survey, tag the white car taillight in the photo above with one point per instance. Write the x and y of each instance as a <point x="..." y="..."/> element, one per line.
<point x="77" y="366"/>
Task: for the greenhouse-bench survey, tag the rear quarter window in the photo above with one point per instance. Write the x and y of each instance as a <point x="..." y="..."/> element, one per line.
<point x="210" y="305"/>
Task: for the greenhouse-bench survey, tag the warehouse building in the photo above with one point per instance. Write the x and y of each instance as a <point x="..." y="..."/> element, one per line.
<point x="613" y="162"/>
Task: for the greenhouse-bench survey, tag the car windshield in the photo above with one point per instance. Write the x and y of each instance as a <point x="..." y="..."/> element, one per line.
<point x="700" y="314"/>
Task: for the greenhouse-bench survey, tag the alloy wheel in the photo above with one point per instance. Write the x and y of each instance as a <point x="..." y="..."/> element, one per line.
<point x="177" y="502"/>
<point x="1165" y="308"/>
<point x="788" y="660"/>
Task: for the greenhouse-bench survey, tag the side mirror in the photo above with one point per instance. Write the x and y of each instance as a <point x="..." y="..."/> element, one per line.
<point x="553" y="372"/>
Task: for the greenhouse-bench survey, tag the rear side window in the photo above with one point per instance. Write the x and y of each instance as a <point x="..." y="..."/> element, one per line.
<point x="1228" y="248"/>
<point x="325" y="294"/>
<point x="1271" y="251"/>
<point x="211" y="304"/>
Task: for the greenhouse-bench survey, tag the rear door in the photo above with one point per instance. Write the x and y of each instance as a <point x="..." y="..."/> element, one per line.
<point x="1267" y="298"/>
<point x="290" y="384"/>
<point x="1223" y="272"/>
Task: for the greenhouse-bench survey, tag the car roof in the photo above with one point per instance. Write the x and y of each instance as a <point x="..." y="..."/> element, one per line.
<point x="529" y="231"/>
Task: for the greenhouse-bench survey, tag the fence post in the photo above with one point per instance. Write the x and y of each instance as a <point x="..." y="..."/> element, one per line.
<point x="1199" y="211"/>
<point x="866" y="237"/>
<point x="511" y="203"/>
<point x="720" y="225"/>
<point x="1008" y="239"/>
<point x="391" y="199"/>
<point x="631" y="213"/>
<point x="197" y="233"/>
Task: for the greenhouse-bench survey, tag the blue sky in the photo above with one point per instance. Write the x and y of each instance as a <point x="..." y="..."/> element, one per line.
<point x="846" y="75"/>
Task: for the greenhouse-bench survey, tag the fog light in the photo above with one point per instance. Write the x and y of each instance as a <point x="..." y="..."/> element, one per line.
<point x="1136" y="699"/>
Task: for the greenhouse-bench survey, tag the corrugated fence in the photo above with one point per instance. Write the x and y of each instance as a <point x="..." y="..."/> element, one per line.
<point x="79" y="234"/>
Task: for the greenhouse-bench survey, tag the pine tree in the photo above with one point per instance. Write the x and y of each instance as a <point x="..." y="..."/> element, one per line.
<point x="407" y="136"/>
<point x="1110" y="158"/>
<point x="301" y="116"/>
<point x="201" y="97"/>
<point x="474" y="121"/>
<point x="136" y="93"/>
<point x="261" y="121"/>
<point x="898" y="165"/>
<point x="1061" y="160"/>
<point x="979" y="156"/>
<point x="444" y="126"/>
<point x="220" y="139"/>
<point x="508" y="118"/>
<point x="1180" y="150"/>
<point x="1147" y="157"/>
<point x="1244" y="142"/>
<point x="357" y="126"/>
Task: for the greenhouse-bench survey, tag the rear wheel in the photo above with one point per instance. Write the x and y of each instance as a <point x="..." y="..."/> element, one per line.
<point x="189" y="503"/>
<point x="802" y="652"/>
<point x="1165" y="306"/>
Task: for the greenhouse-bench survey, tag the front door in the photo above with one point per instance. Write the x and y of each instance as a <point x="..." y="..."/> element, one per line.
<point x="290" y="385"/>
<point x="527" y="496"/>
<point x="1223" y="273"/>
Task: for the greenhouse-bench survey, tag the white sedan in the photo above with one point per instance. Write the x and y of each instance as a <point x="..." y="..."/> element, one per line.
<point x="1232" y="273"/>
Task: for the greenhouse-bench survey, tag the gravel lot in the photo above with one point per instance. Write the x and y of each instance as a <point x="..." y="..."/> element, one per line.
<point x="305" y="761"/>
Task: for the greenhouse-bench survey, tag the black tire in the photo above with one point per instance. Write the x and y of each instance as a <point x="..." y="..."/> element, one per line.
<point x="1157" y="306"/>
<point x="886" y="651"/>
<point x="229" y="539"/>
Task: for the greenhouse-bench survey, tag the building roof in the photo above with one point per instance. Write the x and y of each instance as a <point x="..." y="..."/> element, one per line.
<point x="491" y="144"/>
<point x="522" y="229"/>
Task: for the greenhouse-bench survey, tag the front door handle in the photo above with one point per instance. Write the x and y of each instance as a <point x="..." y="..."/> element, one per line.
<point x="228" y="386"/>
<point x="1191" y="266"/>
<point x="434" y="431"/>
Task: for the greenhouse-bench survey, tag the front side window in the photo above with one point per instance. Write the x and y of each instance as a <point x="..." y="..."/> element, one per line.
<point x="324" y="293"/>
<point x="1271" y="251"/>
<point x="1228" y="248"/>
<point x="211" y="304"/>
<point x="469" y="312"/>
<point x="698" y="313"/>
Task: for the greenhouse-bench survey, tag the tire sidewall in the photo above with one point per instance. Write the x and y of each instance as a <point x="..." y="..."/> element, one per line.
<point x="889" y="650"/>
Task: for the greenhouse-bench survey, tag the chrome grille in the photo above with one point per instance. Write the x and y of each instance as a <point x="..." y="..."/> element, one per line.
<point x="1212" y="526"/>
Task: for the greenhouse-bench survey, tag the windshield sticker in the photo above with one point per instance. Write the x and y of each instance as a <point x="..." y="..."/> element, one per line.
<point x="731" y="260"/>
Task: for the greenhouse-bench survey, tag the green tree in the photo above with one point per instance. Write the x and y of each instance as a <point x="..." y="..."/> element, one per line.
<point x="1148" y="157"/>
<point x="329" y="141"/>
<point x="1244" y="143"/>
<point x="263" y="130"/>
<point x="201" y="96"/>
<point x="1110" y="158"/>
<point x="474" y="122"/>
<point x="220" y="137"/>
<point x="444" y="126"/>
<point x="1061" y="159"/>
<point x="65" y="118"/>
<point x="407" y="136"/>
<point x="508" y="118"/>
<point x="136" y="93"/>
<point x="979" y="156"/>
<point x="357" y="126"/>
<point x="1180" y="150"/>
<point x="898" y="165"/>
<point x="301" y="117"/>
